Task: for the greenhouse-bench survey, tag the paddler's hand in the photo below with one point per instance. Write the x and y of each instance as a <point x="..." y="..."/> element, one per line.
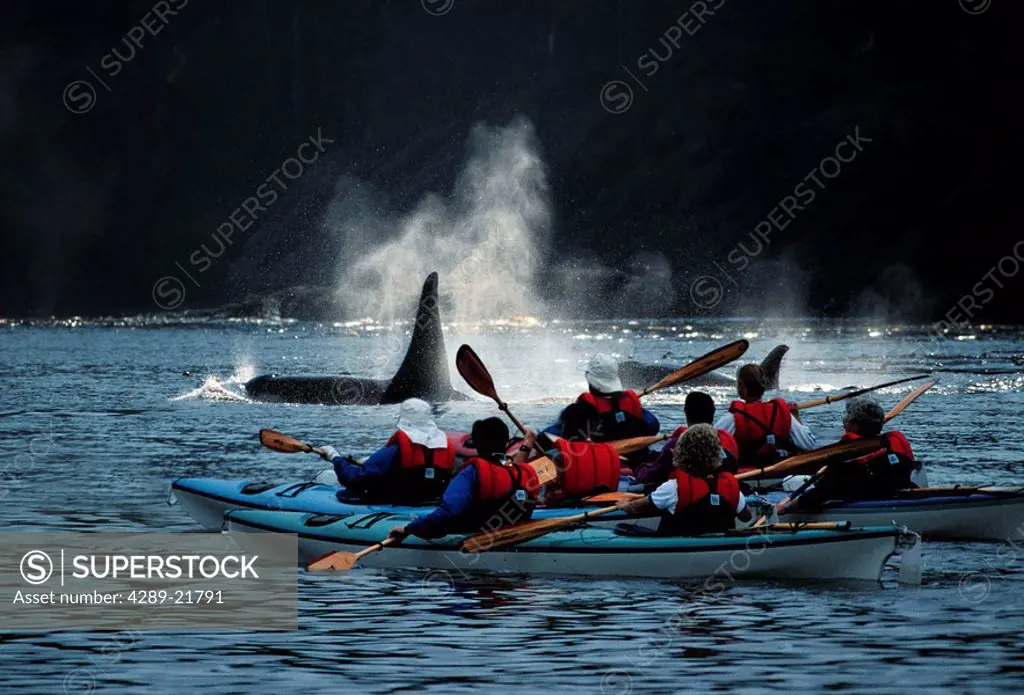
<point x="398" y="533"/>
<point x="641" y="506"/>
<point x="627" y="506"/>
<point x="328" y="453"/>
<point x="530" y="439"/>
<point x="794" y="409"/>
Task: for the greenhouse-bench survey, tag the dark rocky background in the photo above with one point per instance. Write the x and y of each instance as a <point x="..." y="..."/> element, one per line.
<point x="95" y="207"/>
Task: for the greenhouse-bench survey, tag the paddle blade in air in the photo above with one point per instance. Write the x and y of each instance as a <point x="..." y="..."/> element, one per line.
<point x="282" y="442"/>
<point x="702" y="365"/>
<point x="474" y="372"/>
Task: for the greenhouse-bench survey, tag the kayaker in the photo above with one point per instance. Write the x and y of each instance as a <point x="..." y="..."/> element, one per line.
<point x="698" y="497"/>
<point x="414" y="466"/>
<point x="765" y="432"/>
<point x="875" y="476"/>
<point x="699" y="408"/>
<point x="584" y="469"/>
<point x="488" y="492"/>
<point x="609" y="411"/>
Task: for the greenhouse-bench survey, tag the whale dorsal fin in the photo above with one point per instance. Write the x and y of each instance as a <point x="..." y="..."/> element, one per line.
<point x="771" y="365"/>
<point x="424" y="371"/>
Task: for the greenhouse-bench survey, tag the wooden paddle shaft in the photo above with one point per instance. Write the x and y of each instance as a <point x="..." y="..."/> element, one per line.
<point x="628" y="446"/>
<point x="858" y="392"/>
<point x="344" y="560"/>
<point x="373" y="548"/>
<point x="503" y="407"/>
<point x="834" y="452"/>
<point x="909" y="398"/>
<point x="612" y="497"/>
<point x="822" y="401"/>
<point x="569" y="520"/>
<point x="528" y="531"/>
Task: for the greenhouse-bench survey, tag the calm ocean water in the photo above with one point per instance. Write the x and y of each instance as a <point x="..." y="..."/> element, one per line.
<point x="96" y="418"/>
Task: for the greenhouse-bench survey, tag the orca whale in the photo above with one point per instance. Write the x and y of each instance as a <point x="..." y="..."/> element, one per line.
<point x="423" y="373"/>
<point x="636" y="375"/>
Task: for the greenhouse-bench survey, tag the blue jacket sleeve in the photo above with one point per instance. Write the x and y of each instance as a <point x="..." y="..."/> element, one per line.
<point x="458" y="497"/>
<point x="650" y="425"/>
<point x="555" y="428"/>
<point x="378" y="466"/>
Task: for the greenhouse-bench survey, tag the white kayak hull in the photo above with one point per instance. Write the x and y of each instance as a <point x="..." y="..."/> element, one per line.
<point x="858" y="554"/>
<point x="950" y="518"/>
<point x="205" y="510"/>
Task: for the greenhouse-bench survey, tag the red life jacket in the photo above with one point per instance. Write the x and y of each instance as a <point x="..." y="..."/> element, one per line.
<point x="499" y="482"/>
<point x="411" y="455"/>
<point x="587" y="468"/>
<point x="895" y="443"/>
<point x="702" y="507"/>
<point x="729" y="445"/>
<point x="762" y="431"/>
<point x="624" y="402"/>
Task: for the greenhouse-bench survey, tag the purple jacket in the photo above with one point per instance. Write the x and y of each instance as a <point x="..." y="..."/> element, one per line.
<point x="657" y="471"/>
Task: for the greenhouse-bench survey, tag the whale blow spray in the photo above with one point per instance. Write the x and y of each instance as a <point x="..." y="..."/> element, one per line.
<point x="485" y="240"/>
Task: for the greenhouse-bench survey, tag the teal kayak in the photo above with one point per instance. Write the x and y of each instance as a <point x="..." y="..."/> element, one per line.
<point x="594" y="551"/>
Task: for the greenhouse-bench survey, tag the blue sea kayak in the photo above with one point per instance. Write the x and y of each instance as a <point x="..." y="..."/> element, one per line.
<point x="206" y="500"/>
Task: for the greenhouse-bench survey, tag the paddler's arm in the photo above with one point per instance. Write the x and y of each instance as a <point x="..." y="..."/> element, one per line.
<point x="350" y="472"/>
<point x="526" y="447"/>
<point x="649" y="424"/>
<point x="663" y="499"/>
<point x="801" y="436"/>
<point x="638" y="507"/>
<point x="742" y="510"/>
<point x="458" y="498"/>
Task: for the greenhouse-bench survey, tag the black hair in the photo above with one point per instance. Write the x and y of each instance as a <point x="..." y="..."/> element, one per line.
<point x="576" y="421"/>
<point x="490" y="437"/>
<point x="699" y="407"/>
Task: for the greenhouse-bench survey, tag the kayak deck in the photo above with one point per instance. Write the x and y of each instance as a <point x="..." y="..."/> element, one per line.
<point x="207" y="499"/>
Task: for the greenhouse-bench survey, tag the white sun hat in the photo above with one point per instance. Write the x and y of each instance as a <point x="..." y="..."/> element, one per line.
<point x="415" y="420"/>
<point x="603" y="373"/>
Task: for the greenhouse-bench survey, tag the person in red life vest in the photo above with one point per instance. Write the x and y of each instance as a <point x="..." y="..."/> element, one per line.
<point x="699" y="408"/>
<point x="488" y="492"/>
<point x="585" y="468"/>
<point x="764" y="431"/>
<point x="698" y="497"/>
<point x="610" y="412"/>
<point x="414" y="466"/>
<point x="875" y="476"/>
